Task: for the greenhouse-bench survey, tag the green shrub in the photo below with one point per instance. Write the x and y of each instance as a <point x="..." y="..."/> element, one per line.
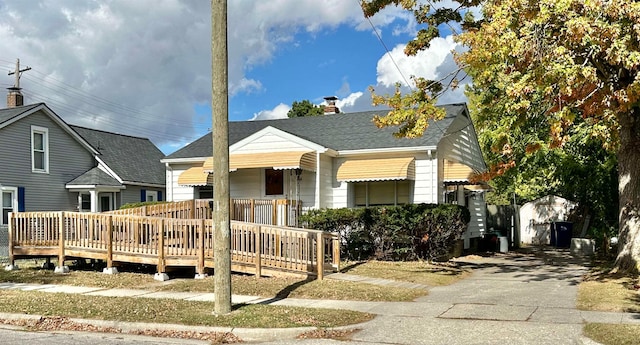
<point x="140" y="204"/>
<point x="408" y="232"/>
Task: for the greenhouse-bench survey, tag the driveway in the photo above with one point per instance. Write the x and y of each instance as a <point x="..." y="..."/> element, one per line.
<point x="509" y="299"/>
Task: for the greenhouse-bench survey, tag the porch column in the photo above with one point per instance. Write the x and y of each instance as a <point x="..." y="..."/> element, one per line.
<point x="94" y="200"/>
<point x="460" y="196"/>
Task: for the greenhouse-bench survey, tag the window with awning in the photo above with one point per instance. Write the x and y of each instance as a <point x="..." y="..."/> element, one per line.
<point x="379" y="169"/>
<point x="305" y="160"/>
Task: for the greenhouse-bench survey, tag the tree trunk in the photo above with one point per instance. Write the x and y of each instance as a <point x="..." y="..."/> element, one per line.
<point x="628" y="259"/>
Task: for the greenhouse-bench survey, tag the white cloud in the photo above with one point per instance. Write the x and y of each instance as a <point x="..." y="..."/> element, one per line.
<point x="424" y="64"/>
<point x="279" y="112"/>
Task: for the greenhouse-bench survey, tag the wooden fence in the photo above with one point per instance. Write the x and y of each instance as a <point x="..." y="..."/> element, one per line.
<point x="255" y="248"/>
<point x="268" y="211"/>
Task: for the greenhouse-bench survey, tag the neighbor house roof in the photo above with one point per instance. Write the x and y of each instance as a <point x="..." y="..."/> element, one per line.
<point x="95" y="177"/>
<point x="340" y="132"/>
<point x="133" y="159"/>
<point x="6" y="115"/>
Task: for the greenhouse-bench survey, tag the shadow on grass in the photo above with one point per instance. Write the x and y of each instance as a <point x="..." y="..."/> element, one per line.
<point x="286" y="291"/>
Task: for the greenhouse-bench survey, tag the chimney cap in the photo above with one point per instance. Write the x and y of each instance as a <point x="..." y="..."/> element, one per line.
<point x="13" y="88"/>
<point x="331" y="98"/>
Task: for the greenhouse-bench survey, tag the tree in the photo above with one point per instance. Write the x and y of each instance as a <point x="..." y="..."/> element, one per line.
<point x="567" y="67"/>
<point x="305" y="108"/>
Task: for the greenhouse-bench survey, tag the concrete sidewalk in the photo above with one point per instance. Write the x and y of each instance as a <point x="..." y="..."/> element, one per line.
<point x="515" y="299"/>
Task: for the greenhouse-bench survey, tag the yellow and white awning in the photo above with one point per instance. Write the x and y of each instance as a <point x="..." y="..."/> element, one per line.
<point x="305" y="160"/>
<point x="381" y="169"/>
<point x="194" y="176"/>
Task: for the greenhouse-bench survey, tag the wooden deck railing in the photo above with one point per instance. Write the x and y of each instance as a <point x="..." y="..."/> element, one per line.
<point x="255" y="248"/>
<point x="263" y="211"/>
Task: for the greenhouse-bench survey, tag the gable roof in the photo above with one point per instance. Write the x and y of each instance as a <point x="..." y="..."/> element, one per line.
<point x="11" y="115"/>
<point x="133" y="159"/>
<point x="94" y="177"/>
<point x="340" y="132"/>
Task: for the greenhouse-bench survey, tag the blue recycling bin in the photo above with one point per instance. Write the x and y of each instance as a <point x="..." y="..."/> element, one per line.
<point x="561" y="233"/>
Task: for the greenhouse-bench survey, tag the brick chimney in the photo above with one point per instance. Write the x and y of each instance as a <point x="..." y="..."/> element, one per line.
<point x="14" y="97"/>
<point x="331" y="107"/>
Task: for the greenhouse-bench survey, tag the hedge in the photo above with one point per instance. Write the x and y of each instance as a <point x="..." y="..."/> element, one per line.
<point x="408" y="232"/>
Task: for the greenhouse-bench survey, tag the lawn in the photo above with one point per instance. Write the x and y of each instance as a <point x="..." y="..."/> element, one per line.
<point x="420" y="272"/>
<point x="605" y="290"/>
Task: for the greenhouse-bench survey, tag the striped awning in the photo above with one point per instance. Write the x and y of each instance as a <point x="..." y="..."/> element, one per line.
<point x="457" y="172"/>
<point x="381" y="169"/>
<point x="305" y="160"/>
<point x="194" y="176"/>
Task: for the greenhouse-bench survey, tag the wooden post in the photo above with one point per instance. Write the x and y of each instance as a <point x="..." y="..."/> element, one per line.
<point x="258" y="246"/>
<point x="252" y="212"/>
<point x="160" y="249"/>
<point x="274" y="213"/>
<point x="220" y="153"/>
<point x="192" y="212"/>
<point x="109" y="227"/>
<point x="201" y="248"/>
<point x="336" y="252"/>
<point x="320" y="255"/>
<point x="286" y="213"/>
<point x="61" y="239"/>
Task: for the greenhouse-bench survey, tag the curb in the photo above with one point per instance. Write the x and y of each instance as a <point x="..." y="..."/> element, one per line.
<point x="246" y="334"/>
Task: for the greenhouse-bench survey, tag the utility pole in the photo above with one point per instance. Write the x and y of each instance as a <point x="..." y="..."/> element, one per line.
<point x="18" y="73"/>
<point x="220" y="134"/>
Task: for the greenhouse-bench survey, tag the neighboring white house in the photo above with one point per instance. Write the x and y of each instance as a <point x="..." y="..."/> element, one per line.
<point x="340" y="160"/>
<point x="536" y="217"/>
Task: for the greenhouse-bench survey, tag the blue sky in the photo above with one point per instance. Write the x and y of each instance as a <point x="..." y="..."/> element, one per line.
<point x="143" y="67"/>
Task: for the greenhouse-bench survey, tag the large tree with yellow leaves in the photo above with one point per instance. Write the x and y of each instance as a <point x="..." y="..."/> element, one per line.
<point x="568" y="66"/>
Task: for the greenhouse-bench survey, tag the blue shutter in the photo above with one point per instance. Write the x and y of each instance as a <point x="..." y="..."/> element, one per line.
<point x="159" y="195"/>
<point x="143" y="195"/>
<point x="20" y="199"/>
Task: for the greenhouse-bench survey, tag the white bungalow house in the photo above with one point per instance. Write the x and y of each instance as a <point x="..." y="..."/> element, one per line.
<point x="340" y="160"/>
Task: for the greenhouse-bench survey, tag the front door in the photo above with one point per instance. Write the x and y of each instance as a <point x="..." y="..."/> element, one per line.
<point x="105" y="203"/>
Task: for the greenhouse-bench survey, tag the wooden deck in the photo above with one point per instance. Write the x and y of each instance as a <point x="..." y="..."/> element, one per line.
<point x="255" y="248"/>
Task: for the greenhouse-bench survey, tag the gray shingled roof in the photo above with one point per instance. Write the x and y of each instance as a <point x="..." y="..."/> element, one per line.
<point x="95" y="177"/>
<point x="344" y="131"/>
<point x="134" y="159"/>
<point x="9" y="113"/>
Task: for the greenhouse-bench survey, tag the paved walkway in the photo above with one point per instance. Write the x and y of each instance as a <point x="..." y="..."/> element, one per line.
<point x="510" y="299"/>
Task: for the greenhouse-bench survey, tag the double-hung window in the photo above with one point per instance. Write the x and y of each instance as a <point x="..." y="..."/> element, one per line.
<point x="39" y="149"/>
<point x="9" y="203"/>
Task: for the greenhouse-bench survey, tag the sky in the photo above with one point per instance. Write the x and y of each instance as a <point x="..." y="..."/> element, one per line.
<point x="143" y="67"/>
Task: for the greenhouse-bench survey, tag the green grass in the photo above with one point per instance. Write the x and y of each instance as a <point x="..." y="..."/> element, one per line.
<point x="172" y="311"/>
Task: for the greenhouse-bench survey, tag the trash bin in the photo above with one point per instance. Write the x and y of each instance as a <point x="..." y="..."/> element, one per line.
<point x="561" y="234"/>
<point x="504" y="244"/>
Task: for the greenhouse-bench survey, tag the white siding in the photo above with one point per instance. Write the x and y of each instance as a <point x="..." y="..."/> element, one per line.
<point x="478" y="223"/>
<point x="460" y="144"/>
<point x="270" y="142"/>
<point x="426" y="183"/>
<point x="326" y="182"/>
<point x="248" y="184"/>
<point x="178" y="193"/>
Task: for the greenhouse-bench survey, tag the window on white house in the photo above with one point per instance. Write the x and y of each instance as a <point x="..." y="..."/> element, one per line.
<point x="382" y="193"/>
<point x="39" y="149"/>
<point x="273" y="182"/>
